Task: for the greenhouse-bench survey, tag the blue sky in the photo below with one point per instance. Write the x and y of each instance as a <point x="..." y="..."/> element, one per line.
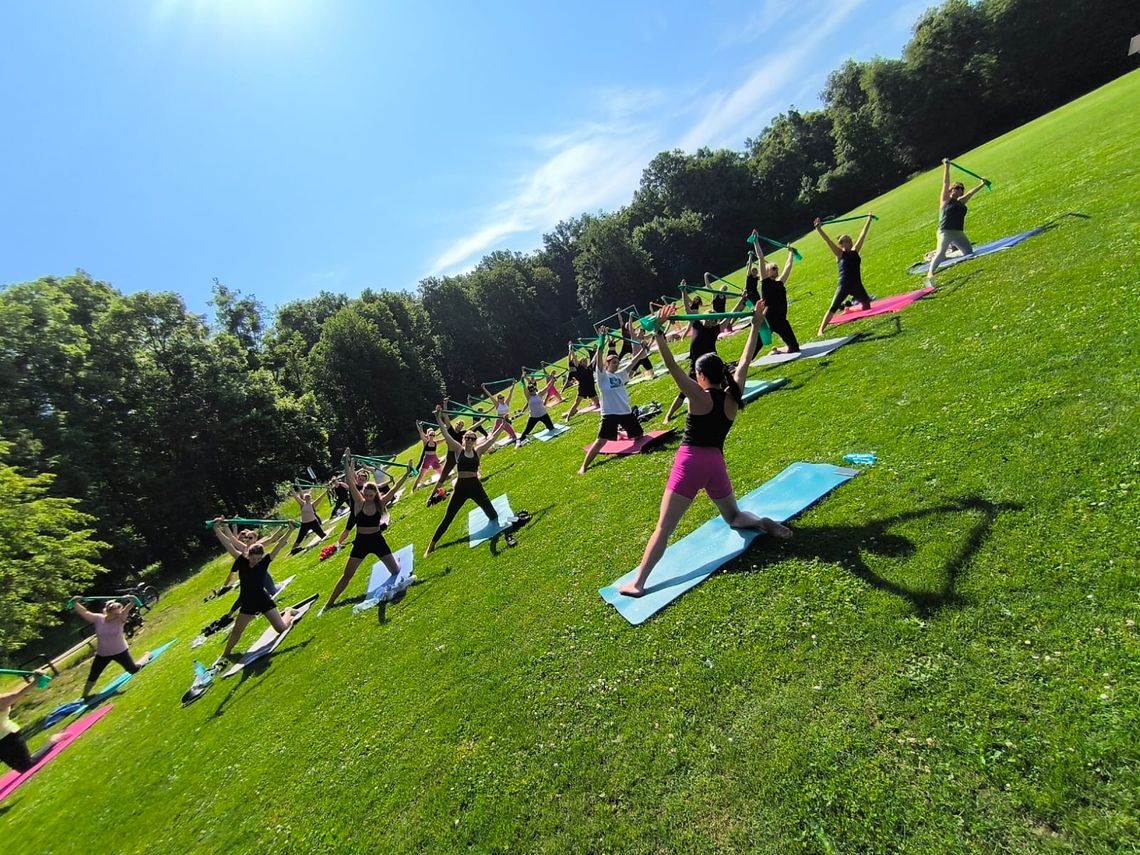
<point x="290" y="146"/>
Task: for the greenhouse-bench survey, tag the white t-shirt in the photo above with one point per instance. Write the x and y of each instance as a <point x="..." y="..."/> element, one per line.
<point x="537" y="408"/>
<point x="615" y="397"/>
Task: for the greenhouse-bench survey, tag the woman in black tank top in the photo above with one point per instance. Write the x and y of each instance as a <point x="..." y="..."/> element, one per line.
<point x="771" y="289"/>
<point x="370" y="510"/>
<point x="850" y="270"/>
<point x="703" y="337"/>
<point x="467" y="485"/>
<point x="951" y="219"/>
<point x="714" y="401"/>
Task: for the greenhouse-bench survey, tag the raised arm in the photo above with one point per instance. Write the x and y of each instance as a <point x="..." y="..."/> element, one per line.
<point x="759" y="249"/>
<point x="863" y="234"/>
<point x="758" y="312"/>
<point x="385" y="500"/>
<point x="944" y="196"/>
<point x="277" y="541"/>
<point x="451" y="443"/>
<point x="685" y="297"/>
<point x="350" y="477"/>
<point x="830" y="243"/>
<point x="688" y="386"/>
<point x="223" y="536"/>
<point x="8" y="699"/>
<point x="80" y="609"/>
<point x="966" y="197"/>
<point x="787" y="271"/>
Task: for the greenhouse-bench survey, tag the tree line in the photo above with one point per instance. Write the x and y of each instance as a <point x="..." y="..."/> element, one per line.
<point x="154" y="418"/>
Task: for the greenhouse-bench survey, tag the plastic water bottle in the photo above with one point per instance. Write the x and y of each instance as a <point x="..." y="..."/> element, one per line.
<point x="861" y="458"/>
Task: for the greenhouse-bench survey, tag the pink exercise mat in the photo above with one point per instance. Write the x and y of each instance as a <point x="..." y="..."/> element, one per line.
<point x="635" y="446"/>
<point x="11" y="781"/>
<point x="881" y="307"/>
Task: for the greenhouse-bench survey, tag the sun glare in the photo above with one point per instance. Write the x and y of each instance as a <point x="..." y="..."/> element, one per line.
<point x="234" y="17"/>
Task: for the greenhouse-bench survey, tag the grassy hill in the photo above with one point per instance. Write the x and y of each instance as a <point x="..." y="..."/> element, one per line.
<point x="942" y="660"/>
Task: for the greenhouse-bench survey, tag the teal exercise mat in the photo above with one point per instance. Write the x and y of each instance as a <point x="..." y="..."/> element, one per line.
<point x="480" y="529"/>
<point x="383" y="586"/>
<point x="698" y="555"/>
<point x="753" y="389"/>
<point x="546" y="434"/>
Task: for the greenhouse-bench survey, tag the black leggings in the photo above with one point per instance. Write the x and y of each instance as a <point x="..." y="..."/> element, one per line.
<point x="780" y="326"/>
<point x="101" y="662"/>
<point x="305" y="528"/>
<point x="465" y="488"/>
<point x="14" y="752"/>
<point x="533" y="420"/>
<point x="642" y="363"/>
<point x="845" y="290"/>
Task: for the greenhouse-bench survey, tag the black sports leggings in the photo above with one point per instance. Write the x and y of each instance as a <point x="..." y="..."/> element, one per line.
<point x="465" y="488"/>
<point x="533" y="420"/>
<point x="642" y="363"/>
<point x="101" y="662"/>
<point x="305" y="528"/>
<point x="854" y="290"/>
<point x="14" y="752"/>
<point x="780" y="326"/>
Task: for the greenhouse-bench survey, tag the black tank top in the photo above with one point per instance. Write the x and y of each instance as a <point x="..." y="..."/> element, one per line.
<point x="953" y="217"/>
<point x="709" y="430"/>
<point x="849" y="264"/>
<point x="750" y="292"/>
<point x="775" y="296"/>
<point x="251" y="576"/>
<point x="718" y="303"/>
<point x="371" y="520"/>
<point x="467" y="464"/>
<point x="703" y="339"/>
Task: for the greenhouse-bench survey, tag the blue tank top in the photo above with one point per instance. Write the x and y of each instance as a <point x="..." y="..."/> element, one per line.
<point x="849" y="264"/>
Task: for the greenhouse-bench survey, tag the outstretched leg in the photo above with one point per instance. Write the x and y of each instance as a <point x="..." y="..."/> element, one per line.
<point x="737" y="518"/>
<point x="591" y="453"/>
<point x="342" y="583"/>
<point x="673" y="507"/>
<point x="240" y="623"/>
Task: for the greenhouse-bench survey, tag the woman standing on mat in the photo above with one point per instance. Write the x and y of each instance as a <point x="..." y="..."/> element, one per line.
<point x="253" y="565"/>
<point x="537" y="410"/>
<point x="370" y="506"/>
<point x="110" y="642"/>
<point x="246" y="537"/>
<point x="951" y="219"/>
<point x="551" y="390"/>
<point x="467" y="485"/>
<point x="703" y="335"/>
<point x="850" y="274"/>
<point x="429" y="461"/>
<point x="310" y="522"/>
<point x="340" y="494"/>
<point x="13" y="748"/>
<point x="616" y="409"/>
<point x="503" y="411"/>
<point x="583" y="374"/>
<point x="714" y="402"/>
<point x="774" y="294"/>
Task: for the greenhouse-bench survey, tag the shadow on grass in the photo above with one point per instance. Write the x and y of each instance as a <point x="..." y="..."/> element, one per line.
<point x="947" y="290"/>
<point x="256" y="669"/>
<point x="844" y="544"/>
<point x="517" y="527"/>
<point x="889" y="326"/>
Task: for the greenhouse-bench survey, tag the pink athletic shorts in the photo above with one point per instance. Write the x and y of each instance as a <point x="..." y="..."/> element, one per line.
<point x="430" y="462"/>
<point x="697" y="468"/>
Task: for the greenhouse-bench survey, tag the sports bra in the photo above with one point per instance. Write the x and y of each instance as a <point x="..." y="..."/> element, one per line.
<point x="373" y="520"/>
<point x="467" y="464"/>
<point x="429" y="447"/>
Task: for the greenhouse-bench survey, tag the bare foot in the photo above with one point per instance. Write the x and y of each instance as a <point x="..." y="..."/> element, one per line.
<point x="429" y="550"/>
<point x="630" y="589"/>
<point x="777" y="530"/>
<point x="582" y="471"/>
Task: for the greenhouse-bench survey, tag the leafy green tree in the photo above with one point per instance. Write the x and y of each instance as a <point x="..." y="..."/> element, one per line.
<point x="47" y="552"/>
<point x="612" y="270"/>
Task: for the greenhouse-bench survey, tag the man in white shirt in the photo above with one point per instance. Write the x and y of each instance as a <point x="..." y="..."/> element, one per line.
<point x="616" y="409"/>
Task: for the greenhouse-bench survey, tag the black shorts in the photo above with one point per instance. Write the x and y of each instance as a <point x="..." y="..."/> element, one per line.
<point x="254" y="599"/>
<point x="610" y="424"/>
<point x="14" y="752"/>
<point x="370" y="544"/>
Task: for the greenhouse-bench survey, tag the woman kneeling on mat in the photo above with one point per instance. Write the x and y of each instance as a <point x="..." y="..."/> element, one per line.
<point x="110" y="642"/>
<point x="370" y="507"/>
<point x="951" y="219"/>
<point x="850" y="273"/>
<point x="13" y="749"/>
<point x="253" y="562"/>
<point x="714" y="402"/>
<point x="467" y="485"/>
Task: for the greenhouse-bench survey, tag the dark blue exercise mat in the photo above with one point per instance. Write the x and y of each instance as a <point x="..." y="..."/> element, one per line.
<point x="698" y="555"/>
<point x="984" y="249"/>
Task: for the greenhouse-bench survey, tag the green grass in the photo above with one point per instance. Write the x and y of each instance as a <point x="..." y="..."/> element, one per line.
<point x="943" y="660"/>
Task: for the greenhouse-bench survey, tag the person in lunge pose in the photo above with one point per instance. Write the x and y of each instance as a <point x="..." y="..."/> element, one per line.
<point x="771" y="290"/>
<point x="951" y="219"/>
<point x="429" y="461"/>
<point x="370" y="508"/>
<point x="583" y="374"/>
<point x="467" y="485"/>
<point x="310" y="522"/>
<point x="13" y="748"/>
<point x="850" y="275"/>
<point x="503" y="411"/>
<point x="253" y="562"/>
<point x="714" y="402"/>
<point x="703" y="336"/>
<point x="536" y="408"/>
<point x="110" y="642"/>
<point x="616" y="409"/>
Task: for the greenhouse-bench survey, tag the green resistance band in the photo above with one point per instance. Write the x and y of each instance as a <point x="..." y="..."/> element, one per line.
<point x="776" y="243"/>
<point x="989" y="184"/>
<point x="849" y="219"/>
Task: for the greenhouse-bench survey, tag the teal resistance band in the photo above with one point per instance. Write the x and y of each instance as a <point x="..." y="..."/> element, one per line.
<point x="776" y="243"/>
<point x="137" y="601"/>
<point x="988" y="183"/>
<point x="714" y="291"/>
<point x="42" y="680"/>
<point x="253" y="524"/>
<point x="849" y="219"/>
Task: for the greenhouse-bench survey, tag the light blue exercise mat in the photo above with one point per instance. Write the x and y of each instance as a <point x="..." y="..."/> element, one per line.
<point x="383" y="586"/>
<point x="985" y="249"/>
<point x="480" y="529"/>
<point x="697" y="555"/>
<point x="546" y="435"/>
<point x="753" y="389"/>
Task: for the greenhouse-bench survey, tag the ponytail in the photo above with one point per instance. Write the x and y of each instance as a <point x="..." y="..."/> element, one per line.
<point x="713" y="367"/>
<point x="734" y="390"/>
